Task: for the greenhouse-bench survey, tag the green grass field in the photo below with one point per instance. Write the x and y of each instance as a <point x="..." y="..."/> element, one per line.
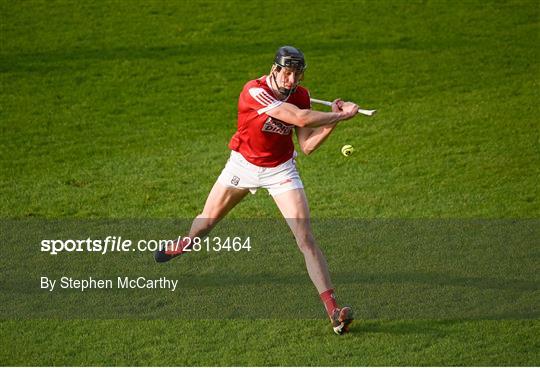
<point x="118" y="109"/>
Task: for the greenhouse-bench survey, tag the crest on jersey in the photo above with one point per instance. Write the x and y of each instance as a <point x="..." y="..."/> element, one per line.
<point x="277" y="127"/>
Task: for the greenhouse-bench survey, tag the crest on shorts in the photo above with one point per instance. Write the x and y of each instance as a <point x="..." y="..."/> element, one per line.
<point x="235" y="180"/>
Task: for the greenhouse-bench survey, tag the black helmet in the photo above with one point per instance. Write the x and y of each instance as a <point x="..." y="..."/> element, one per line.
<point x="290" y="57"/>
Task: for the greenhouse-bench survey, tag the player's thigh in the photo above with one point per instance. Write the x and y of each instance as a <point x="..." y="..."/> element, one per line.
<point x="294" y="207"/>
<point x="221" y="200"/>
<point x="293" y="204"/>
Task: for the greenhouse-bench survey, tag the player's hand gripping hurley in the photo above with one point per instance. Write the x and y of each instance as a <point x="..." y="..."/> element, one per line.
<point x="360" y="111"/>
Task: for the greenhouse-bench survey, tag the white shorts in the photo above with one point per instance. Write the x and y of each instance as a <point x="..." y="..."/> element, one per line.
<point x="241" y="174"/>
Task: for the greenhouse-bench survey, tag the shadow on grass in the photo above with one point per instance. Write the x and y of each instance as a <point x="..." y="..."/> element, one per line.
<point x="182" y="53"/>
<point x="38" y="62"/>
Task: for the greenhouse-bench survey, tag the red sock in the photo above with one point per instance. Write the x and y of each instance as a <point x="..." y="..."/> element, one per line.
<point x="178" y="247"/>
<point x="329" y="300"/>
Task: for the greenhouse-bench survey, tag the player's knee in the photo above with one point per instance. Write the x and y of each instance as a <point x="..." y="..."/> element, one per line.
<point x="306" y="243"/>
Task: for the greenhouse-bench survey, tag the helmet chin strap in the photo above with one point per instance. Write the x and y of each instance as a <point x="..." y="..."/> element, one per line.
<point x="282" y="90"/>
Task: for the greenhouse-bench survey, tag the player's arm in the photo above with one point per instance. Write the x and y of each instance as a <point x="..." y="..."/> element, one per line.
<point x="310" y="139"/>
<point x="293" y="115"/>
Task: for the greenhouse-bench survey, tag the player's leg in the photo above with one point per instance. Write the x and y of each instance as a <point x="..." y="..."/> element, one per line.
<point x="294" y="207"/>
<point x="220" y="201"/>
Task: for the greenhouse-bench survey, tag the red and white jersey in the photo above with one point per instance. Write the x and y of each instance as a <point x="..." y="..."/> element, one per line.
<point x="261" y="139"/>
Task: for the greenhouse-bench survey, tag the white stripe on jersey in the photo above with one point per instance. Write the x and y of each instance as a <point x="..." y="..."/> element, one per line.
<point x="261" y="96"/>
<point x="264" y="98"/>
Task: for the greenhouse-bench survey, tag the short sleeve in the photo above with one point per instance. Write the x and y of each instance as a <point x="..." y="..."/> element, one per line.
<point x="261" y="100"/>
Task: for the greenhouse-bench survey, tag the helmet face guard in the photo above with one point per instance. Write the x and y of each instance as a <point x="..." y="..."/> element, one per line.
<point x="291" y="62"/>
<point x="292" y="58"/>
